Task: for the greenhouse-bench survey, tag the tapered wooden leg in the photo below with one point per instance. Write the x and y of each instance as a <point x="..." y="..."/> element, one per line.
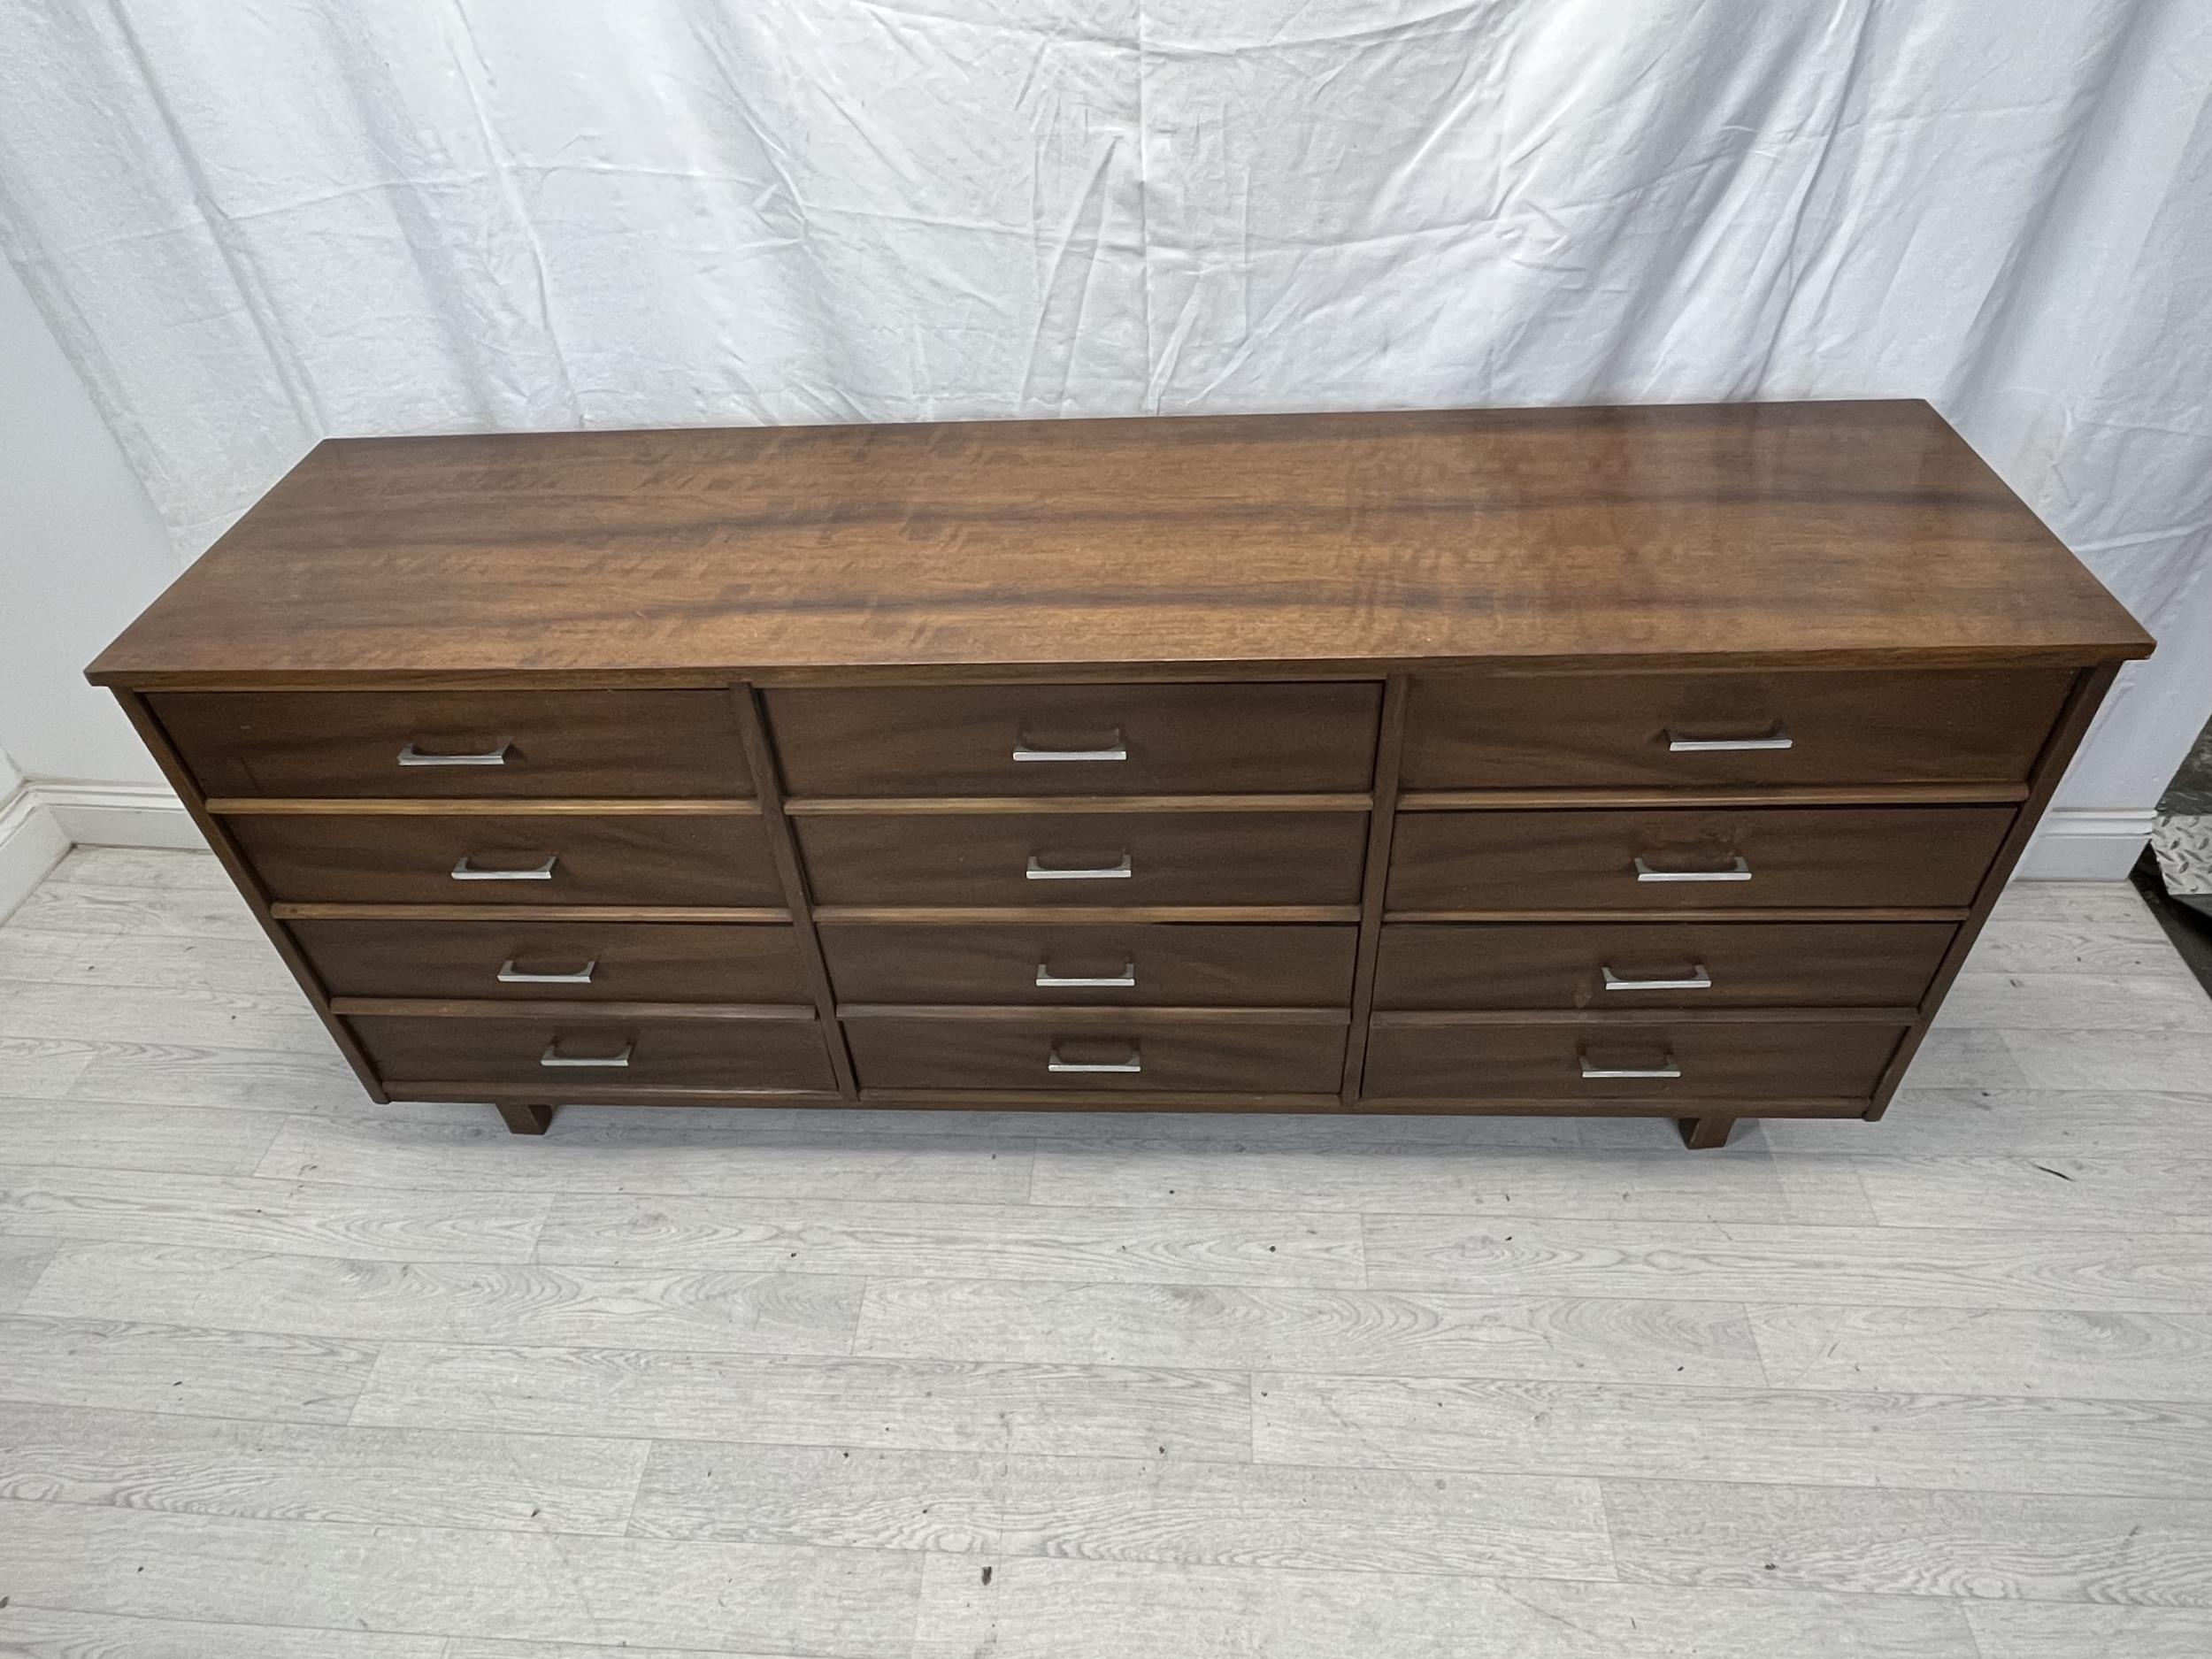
<point x="526" y="1120"/>
<point x="1701" y="1134"/>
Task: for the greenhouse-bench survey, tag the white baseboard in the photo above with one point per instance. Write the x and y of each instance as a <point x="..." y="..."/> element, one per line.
<point x="120" y="814"/>
<point x="31" y="844"/>
<point x="2077" y="843"/>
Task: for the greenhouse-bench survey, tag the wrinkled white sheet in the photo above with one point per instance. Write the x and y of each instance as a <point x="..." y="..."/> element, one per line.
<point x="256" y="222"/>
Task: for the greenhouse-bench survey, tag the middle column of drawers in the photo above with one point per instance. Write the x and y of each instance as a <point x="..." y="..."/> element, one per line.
<point x="1077" y="888"/>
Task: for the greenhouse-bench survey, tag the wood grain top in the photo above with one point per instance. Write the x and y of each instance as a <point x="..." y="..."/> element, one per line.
<point x="1333" y="543"/>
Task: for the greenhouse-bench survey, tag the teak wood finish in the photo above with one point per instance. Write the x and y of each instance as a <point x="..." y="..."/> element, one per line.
<point x="642" y="1049"/>
<point x="1199" y="964"/>
<point x="1171" y="739"/>
<point x="1716" y="1057"/>
<point x="1208" y="1051"/>
<point x="1764" y="858"/>
<point x="1381" y="712"/>
<point x="1906" y="726"/>
<point x="511" y="858"/>
<point x="472" y="743"/>
<point x="580" y="961"/>
<point x="1612" y="965"/>
<point x="1047" y="860"/>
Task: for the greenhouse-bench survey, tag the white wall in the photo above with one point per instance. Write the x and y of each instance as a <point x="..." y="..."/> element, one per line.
<point x="446" y="217"/>
<point x="32" y="841"/>
<point x="679" y="212"/>
<point x="81" y="552"/>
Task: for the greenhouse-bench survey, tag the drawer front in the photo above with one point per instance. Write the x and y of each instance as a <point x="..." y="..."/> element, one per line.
<point x="1816" y="857"/>
<point x="1213" y="1055"/>
<point x="417" y="745"/>
<point x="1039" y="858"/>
<point x="585" y="962"/>
<point x="509" y="1054"/>
<point x="1647" y="964"/>
<point x="1773" y="1059"/>
<point x="1031" y="739"/>
<point x="1943" y="726"/>
<point x="612" y="858"/>
<point x="1164" y="965"/>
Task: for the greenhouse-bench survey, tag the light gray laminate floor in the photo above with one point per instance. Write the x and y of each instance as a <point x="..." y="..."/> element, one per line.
<point x="285" y="1375"/>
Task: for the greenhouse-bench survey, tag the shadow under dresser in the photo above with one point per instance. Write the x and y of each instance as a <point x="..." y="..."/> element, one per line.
<point x="1657" y="761"/>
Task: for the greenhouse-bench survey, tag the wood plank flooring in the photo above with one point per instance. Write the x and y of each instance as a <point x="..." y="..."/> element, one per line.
<point x="284" y="1373"/>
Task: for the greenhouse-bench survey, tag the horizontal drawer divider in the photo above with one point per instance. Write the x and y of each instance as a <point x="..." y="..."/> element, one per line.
<point x="1648" y="1015"/>
<point x="440" y="679"/>
<point x="824" y="806"/>
<point x="1185" y="1100"/>
<point x="606" y="1093"/>
<point x="504" y="806"/>
<point x="567" y="1010"/>
<point x="1653" y="1106"/>
<point x="284" y="910"/>
<point x="1095" y="1100"/>
<point x="1692" y="795"/>
<point x="1871" y="913"/>
<point x="1071" y="913"/>
<point x="1093" y="1014"/>
<point x="905" y="672"/>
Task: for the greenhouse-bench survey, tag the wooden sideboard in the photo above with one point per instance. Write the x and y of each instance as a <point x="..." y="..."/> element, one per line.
<point x="1658" y="761"/>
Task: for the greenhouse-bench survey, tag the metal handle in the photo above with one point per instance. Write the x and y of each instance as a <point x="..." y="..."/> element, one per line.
<point x="1737" y="870"/>
<point x="554" y="1056"/>
<point x="466" y="871"/>
<point x="1668" y="1067"/>
<point x="1775" y="738"/>
<point x="1121" y="871"/>
<point x="1701" y="980"/>
<point x="1024" y="749"/>
<point x="1048" y="980"/>
<point x="1053" y="1062"/>
<point x="495" y="755"/>
<point x="509" y="974"/>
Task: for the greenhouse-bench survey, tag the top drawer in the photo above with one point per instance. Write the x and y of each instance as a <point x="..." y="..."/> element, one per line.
<point x="1565" y="731"/>
<point x="441" y="745"/>
<point x="1076" y="740"/>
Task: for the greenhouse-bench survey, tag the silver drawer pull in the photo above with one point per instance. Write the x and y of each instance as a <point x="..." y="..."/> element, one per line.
<point x="1053" y="1062"/>
<point x="509" y="974"/>
<point x="1776" y="738"/>
<point x="1121" y="871"/>
<point x="466" y="871"/>
<point x="1024" y="749"/>
<point x="1666" y="1068"/>
<point x="1738" y="871"/>
<point x="554" y="1056"/>
<point x="495" y="755"/>
<point x="1048" y="980"/>
<point x="1701" y="980"/>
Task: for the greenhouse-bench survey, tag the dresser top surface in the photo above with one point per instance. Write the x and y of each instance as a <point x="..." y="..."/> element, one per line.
<point x="1674" y="534"/>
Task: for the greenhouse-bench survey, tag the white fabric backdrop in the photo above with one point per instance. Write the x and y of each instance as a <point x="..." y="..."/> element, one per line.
<point x="258" y="222"/>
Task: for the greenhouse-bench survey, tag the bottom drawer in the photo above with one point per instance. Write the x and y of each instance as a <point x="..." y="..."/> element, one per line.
<point x="1222" y="1053"/>
<point x="1413" y="1056"/>
<point x="570" y="1053"/>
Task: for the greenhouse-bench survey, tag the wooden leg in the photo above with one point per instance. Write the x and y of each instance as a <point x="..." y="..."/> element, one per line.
<point x="526" y="1120"/>
<point x="1701" y="1134"/>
